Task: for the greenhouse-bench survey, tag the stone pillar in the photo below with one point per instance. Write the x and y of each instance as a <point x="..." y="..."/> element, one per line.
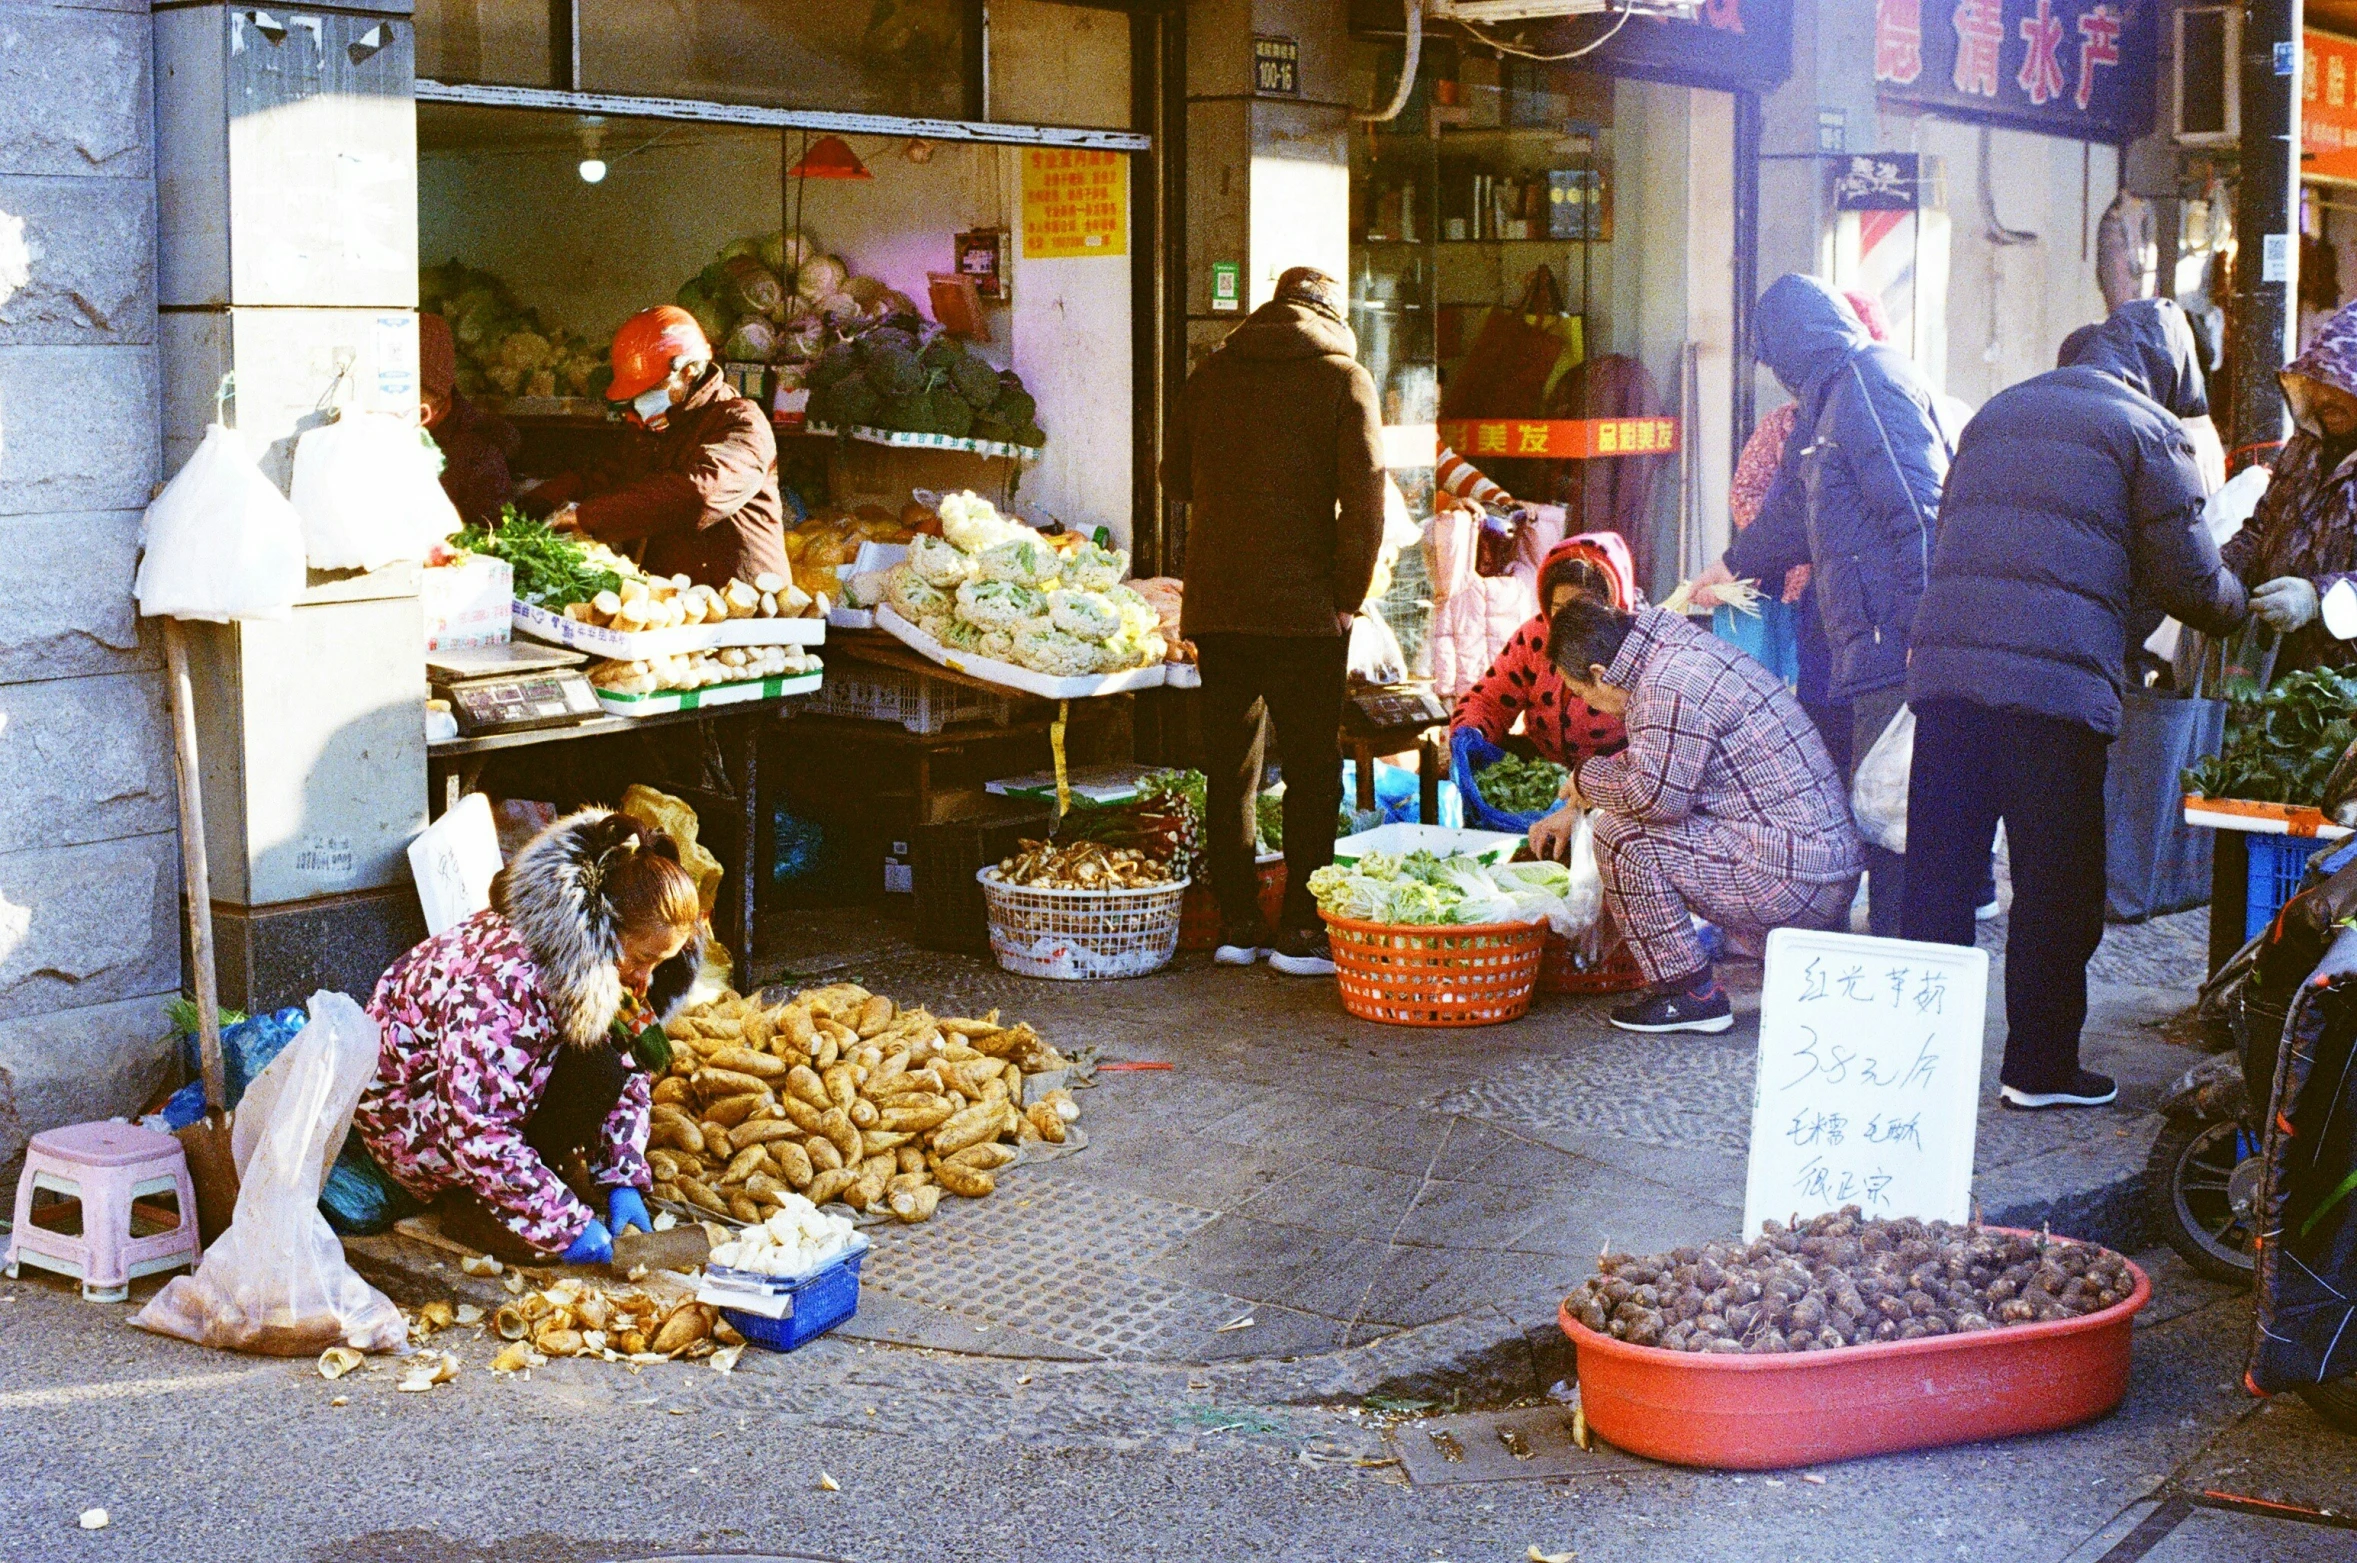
<point x="89" y="865"/>
<point x="287" y="168"/>
<point x="1268" y="178"/>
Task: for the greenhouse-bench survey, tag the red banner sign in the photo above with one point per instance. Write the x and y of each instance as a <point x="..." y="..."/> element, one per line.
<point x="2328" y="107"/>
<point x="1560" y="439"/>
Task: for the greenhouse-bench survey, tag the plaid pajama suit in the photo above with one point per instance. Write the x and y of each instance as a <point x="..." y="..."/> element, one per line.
<point x="1724" y="803"/>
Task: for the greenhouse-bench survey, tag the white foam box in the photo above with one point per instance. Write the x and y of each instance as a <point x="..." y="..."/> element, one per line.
<point x="1008" y="675"/>
<point x="556" y="629"/>
<point x="467" y="602"/>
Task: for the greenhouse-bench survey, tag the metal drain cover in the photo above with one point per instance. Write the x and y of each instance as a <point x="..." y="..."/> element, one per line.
<point x="1530" y="1444"/>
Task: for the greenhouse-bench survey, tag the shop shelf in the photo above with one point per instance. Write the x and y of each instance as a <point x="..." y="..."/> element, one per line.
<point x="918" y="702"/>
<point x="904" y="440"/>
<point x="665" y="701"/>
<point x="1776" y="1410"/>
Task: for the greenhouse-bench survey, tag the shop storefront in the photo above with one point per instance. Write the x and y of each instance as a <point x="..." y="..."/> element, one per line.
<point x="1540" y="262"/>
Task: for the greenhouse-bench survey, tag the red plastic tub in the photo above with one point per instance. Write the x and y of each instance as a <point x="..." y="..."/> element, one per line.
<point x="1770" y="1412"/>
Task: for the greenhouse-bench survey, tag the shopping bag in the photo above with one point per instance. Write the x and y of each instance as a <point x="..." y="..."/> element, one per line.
<point x="1878" y="796"/>
<point x="221" y="542"/>
<point x="2154" y="862"/>
<point x="1519" y="355"/>
<point x="368" y="488"/>
<point x="276" y="1282"/>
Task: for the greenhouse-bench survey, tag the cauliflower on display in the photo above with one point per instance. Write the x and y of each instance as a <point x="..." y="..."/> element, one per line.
<point x="1094" y="569"/>
<point x="1026" y="560"/>
<point x="911" y="597"/>
<point x="998" y="605"/>
<point x="1087" y="615"/>
<point x="866" y="589"/>
<point x="1043" y="648"/>
<point x="938" y="562"/>
<point x="973" y="524"/>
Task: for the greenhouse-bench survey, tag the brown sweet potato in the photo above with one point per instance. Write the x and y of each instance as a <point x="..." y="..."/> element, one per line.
<point x="837" y="1126"/>
<point x="823" y="1154"/>
<point x="842" y="1085"/>
<point x="873" y="1016"/>
<point x="970" y="1126"/>
<point x="731" y="1111"/>
<point x="713" y="1084"/>
<point x="912" y="1205"/>
<point x="830" y="1185"/>
<point x="793" y="1162"/>
<point x="1046" y="1122"/>
<point x="989" y="1156"/>
<point x="763" y="1131"/>
<point x="745" y="1163"/>
<point x="863" y="1113"/>
<point x="671" y="1090"/>
<point x="744" y="1207"/>
<point x="716" y="1140"/>
<point x="806" y="1086"/>
<point x="966" y="1182"/>
<point x="744" y="1060"/>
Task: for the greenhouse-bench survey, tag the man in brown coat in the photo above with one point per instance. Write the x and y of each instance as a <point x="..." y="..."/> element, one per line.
<point x="702" y="490"/>
<point x="1276" y="448"/>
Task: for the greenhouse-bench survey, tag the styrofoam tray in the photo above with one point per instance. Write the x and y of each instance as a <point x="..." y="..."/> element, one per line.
<point x="1490" y="846"/>
<point x="852" y="618"/>
<point x="541" y="624"/>
<point x="1182" y="675"/>
<point x="664" y="701"/>
<point x="1013" y="677"/>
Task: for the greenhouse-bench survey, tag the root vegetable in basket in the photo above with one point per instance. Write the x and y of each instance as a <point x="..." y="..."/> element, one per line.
<point x="1083" y="865"/>
<point x="1843" y="1280"/>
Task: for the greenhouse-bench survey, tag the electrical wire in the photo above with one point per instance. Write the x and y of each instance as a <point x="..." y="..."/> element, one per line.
<point x="1618" y="22"/>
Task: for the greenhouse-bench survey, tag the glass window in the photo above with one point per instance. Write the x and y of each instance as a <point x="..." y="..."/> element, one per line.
<point x="1053" y="64"/>
<point x="499" y="41"/>
<point x="884" y="57"/>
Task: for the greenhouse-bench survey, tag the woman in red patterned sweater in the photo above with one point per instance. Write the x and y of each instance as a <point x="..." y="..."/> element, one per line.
<point x="1522" y="685"/>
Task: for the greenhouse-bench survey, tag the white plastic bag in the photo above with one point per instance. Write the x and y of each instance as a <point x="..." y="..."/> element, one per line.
<point x="1879" y="795"/>
<point x="369" y="492"/>
<point x="276" y="1282"/>
<point x="221" y="542"/>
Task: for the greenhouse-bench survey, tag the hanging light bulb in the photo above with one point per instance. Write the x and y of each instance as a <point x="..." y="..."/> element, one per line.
<point x="593" y="163"/>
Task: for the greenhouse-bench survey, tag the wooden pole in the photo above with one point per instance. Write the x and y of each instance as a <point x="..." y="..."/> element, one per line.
<point x="197" y="885"/>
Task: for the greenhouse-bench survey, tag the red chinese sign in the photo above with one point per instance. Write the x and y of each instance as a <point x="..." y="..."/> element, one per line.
<point x="1560" y="439"/>
<point x="2080" y="68"/>
<point x="2328" y="107"/>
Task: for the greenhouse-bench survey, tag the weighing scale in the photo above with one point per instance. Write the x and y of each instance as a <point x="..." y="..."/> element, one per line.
<point x="512" y="688"/>
<point x="1400" y="705"/>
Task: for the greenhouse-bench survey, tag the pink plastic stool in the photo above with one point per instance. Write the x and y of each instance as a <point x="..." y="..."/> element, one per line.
<point x="106" y="1166"/>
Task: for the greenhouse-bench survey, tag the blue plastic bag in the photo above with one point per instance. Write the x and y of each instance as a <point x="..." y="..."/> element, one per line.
<point x="246" y="1050"/>
<point x="1398" y="796"/>
<point x="360" y="1198"/>
<point x="1772" y="636"/>
<point x="1469" y="755"/>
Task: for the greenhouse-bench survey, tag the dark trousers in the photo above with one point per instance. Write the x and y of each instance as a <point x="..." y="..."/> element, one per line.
<point x="1296" y="683"/>
<point x="1976" y="765"/>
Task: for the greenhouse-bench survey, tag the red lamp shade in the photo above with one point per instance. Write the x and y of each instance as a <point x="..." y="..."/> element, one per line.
<point x="830" y="157"/>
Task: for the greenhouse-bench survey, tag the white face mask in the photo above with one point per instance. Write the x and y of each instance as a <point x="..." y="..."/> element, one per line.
<point x="652" y="404"/>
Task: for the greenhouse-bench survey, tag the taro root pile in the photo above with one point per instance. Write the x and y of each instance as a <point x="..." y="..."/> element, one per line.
<point x="1844" y="1280"/>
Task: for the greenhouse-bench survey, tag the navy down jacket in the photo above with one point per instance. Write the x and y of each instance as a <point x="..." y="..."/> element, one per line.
<point x="2074" y="497"/>
<point x="1857" y="494"/>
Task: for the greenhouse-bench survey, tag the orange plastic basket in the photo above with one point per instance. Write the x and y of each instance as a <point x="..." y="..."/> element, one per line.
<point x="1616" y="973"/>
<point x="1438" y="976"/>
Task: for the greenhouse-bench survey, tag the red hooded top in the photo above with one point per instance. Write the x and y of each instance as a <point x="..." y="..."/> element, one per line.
<point x="1523" y="684"/>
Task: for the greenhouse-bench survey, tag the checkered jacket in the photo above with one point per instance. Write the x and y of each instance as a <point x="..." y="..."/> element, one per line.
<point x="1713" y="734"/>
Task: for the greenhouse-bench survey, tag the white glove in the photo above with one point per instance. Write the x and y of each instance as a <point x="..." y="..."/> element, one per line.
<point x="2288" y="602"/>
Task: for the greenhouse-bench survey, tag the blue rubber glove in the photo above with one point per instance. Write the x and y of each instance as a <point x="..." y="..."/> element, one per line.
<point x="595" y="1246"/>
<point x="625" y="1209"/>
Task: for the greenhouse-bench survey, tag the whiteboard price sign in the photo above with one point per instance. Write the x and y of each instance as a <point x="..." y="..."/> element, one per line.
<point x="1868" y="1090"/>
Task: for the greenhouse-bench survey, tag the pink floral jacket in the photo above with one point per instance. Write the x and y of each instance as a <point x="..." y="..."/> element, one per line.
<point x="468" y="1045"/>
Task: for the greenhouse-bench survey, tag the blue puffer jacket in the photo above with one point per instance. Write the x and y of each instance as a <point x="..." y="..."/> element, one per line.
<point x="2074" y="499"/>
<point x="1858" y="492"/>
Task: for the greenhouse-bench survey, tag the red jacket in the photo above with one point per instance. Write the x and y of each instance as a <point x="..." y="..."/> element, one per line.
<point x="705" y="495"/>
<point x="1522" y="683"/>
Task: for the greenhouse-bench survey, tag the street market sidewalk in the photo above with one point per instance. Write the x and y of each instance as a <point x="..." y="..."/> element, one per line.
<point x="1299" y="1181"/>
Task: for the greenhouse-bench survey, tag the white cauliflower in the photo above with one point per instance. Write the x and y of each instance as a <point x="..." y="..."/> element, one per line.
<point x="998" y="645"/>
<point x="1088" y="615"/>
<point x="938" y="563"/>
<point x="974" y="524"/>
<point x="994" y="605"/>
<point x="1026" y="560"/>
<point x="866" y="589"/>
<point x="912" y="597"/>
<point x="1043" y="648"/>
<point x="1094" y="569"/>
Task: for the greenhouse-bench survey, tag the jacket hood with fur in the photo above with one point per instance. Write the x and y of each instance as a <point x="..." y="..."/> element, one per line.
<point x="553" y="893"/>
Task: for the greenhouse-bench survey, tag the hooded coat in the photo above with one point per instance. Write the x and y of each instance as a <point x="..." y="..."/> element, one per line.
<point x="1277" y="449"/>
<point x="2306" y="523"/>
<point x="1857" y="491"/>
<point x="702" y="494"/>
<point x="2074" y="497"/>
<point x="474" y="1018"/>
<point x="1523" y="684"/>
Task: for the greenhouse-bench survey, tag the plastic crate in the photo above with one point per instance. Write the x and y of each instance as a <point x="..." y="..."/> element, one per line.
<point x="949" y="911"/>
<point x="819" y="1302"/>
<point x="918" y="702"/>
<point x="2276" y="863"/>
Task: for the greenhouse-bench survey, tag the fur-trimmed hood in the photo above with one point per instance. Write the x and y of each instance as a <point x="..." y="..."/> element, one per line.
<point x="552" y="893"/>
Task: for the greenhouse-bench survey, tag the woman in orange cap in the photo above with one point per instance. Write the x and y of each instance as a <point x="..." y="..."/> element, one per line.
<point x="701" y="489"/>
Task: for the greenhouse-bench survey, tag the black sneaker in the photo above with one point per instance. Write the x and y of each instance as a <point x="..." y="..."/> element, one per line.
<point x="1304" y="954"/>
<point x="2089" y="1089"/>
<point x="1702" y="1006"/>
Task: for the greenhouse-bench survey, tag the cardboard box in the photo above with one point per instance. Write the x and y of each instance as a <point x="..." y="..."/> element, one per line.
<point x="470" y="602"/>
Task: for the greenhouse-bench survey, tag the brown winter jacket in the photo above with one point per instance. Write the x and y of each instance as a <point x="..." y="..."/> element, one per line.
<point x="1277" y="449"/>
<point x="703" y="494"/>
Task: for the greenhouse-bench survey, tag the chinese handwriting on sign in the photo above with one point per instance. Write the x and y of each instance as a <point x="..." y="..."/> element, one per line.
<point x="1869" y="1078"/>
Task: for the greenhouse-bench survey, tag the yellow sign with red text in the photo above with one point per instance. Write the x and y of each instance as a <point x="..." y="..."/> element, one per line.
<point x="1075" y="203"/>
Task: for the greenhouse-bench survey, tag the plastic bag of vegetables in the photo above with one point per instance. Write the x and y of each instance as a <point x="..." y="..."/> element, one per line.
<point x="997" y="605"/>
<point x="938" y="563"/>
<point x="1089" y="615"/>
